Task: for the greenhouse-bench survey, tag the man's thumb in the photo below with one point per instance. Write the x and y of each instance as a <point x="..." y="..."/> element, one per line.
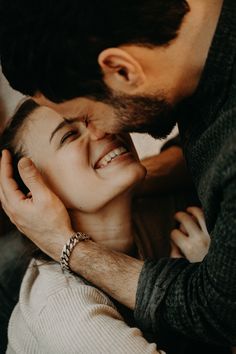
<point x="31" y="176"/>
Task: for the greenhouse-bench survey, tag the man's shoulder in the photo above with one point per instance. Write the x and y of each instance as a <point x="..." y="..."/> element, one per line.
<point x="226" y="131"/>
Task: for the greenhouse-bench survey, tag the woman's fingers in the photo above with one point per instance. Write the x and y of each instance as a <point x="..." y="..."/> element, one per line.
<point x="183" y="229"/>
<point x="180" y="240"/>
<point x="192" y="237"/>
<point x="188" y="224"/>
<point x="198" y="214"/>
<point x="175" y="251"/>
<point x="190" y="247"/>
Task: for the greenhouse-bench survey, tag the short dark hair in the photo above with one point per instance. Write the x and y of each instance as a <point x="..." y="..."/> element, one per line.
<point x="51" y="46"/>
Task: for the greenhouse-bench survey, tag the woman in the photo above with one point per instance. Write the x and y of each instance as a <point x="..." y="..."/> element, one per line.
<point x="95" y="178"/>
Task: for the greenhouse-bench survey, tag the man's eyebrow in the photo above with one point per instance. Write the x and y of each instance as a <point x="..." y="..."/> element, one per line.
<point x="66" y="121"/>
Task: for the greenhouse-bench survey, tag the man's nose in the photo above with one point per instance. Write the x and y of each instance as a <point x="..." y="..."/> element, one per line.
<point x="94" y="132"/>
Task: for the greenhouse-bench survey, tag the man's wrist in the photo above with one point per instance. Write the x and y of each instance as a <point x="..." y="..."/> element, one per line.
<point x="80" y="257"/>
<point x="107" y="270"/>
<point x="55" y="245"/>
<point x="69" y="247"/>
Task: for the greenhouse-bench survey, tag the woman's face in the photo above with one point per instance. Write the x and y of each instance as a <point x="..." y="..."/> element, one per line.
<point x="86" y="172"/>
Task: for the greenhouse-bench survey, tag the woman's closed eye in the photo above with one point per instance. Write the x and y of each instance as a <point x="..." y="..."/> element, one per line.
<point x="69" y="135"/>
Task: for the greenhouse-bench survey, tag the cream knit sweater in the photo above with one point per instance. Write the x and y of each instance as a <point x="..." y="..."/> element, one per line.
<point x="59" y="314"/>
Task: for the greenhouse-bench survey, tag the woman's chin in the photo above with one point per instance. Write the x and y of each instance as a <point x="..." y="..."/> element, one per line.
<point x="137" y="174"/>
<point x="132" y="180"/>
<point x="122" y="183"/>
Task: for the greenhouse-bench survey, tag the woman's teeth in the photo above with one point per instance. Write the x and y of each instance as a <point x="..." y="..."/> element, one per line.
<point x="110" y="156"/>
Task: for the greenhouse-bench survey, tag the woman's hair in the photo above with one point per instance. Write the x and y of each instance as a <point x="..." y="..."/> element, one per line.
<point x="10" y="139"/>
<point x="52" y="46"/>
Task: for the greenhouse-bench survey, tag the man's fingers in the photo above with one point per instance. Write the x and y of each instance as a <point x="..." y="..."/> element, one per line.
<point x="31" y="177"/>
<point x="1" y="194"/>
<point x="189" y="224"/>
<point x="198" y="214"/>
<point x="9" y="187"/>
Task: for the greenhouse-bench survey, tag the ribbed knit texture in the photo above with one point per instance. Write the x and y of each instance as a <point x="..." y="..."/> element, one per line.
<point x="60" y="314"/>
<point x="199" y="300"/>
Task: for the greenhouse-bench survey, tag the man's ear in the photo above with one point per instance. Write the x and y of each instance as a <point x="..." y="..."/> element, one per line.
<point x="122" y="72"/>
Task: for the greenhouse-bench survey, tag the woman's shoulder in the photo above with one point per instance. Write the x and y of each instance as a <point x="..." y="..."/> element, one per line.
<point x="74" y="317"/>
<point x="44" y="281"/>
<point x="55" y="306"/>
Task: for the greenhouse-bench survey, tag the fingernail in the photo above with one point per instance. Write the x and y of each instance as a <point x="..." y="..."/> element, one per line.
<point x="4" y="151"/>
<point x="6" y="155"/>
<point x="25" y="162"/>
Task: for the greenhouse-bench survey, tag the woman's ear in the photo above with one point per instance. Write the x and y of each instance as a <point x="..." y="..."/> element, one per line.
<point x="122" y="72"/>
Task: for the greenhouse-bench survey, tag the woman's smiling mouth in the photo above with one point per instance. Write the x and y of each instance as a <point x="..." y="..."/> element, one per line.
<point x="110" y="156"/>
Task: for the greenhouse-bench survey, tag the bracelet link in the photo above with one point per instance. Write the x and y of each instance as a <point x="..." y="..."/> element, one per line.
<point x="68" y="248"/>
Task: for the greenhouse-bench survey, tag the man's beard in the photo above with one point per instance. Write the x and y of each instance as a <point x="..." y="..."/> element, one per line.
<point x="143" y="114"/>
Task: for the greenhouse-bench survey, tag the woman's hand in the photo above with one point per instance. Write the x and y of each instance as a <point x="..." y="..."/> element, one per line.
<point x="40" y="215"/>
<point x="191" y="239"/>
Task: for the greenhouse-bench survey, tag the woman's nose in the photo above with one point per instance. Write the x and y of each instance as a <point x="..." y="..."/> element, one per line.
<point x="94" y="132"/>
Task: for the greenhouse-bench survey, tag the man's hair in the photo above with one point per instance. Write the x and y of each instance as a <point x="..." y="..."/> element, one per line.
<point x="52" y="46"/>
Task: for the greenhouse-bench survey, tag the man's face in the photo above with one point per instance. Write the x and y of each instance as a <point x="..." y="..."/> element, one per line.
<point x="120" y="113"/>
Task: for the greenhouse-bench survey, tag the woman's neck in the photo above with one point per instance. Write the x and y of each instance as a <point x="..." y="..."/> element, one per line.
<point x="111" y="226"/>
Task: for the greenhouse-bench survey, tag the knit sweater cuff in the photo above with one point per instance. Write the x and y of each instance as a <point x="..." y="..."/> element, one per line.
<point x="153" y="284"/>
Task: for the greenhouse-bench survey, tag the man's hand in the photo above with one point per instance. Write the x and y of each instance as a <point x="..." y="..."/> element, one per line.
<point x="41" y="215"/>
<point x="43" y="218"/>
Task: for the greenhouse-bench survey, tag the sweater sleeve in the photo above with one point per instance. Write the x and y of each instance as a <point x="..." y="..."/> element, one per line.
<point x="198" y="300"/>
<point x="83" y="320"/>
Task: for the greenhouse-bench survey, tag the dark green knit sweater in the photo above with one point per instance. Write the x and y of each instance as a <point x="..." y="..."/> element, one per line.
<point x="199" y="300"/>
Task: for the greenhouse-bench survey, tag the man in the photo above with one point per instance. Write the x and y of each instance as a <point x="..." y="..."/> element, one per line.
<point x="145" y="65"/>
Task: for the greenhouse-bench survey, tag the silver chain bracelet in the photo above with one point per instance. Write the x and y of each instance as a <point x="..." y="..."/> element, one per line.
<point x="68" y="248"/>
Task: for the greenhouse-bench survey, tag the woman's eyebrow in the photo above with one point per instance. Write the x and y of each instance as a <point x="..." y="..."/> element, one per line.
<point x="66" y="121"/>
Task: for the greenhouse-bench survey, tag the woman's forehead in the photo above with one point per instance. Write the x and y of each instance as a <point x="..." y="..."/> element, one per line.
<point x="38" y="127"/>
<point x="44" y="118"/>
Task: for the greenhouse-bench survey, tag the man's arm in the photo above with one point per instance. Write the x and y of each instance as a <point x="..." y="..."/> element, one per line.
<point x="115" y="273"/>
<point x="50" y="230"/>
<point x="198" y="300"/>
<point x="44" y="219"/>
